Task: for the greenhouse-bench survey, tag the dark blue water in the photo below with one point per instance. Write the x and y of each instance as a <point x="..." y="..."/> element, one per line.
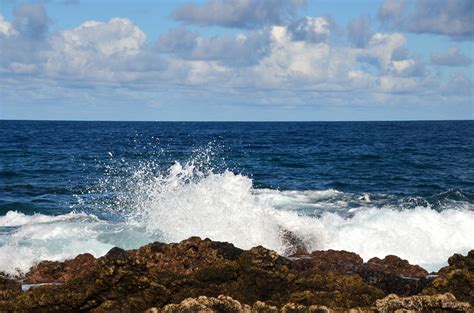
<point x="375" y="188"/>
<point x="44" y="164"/>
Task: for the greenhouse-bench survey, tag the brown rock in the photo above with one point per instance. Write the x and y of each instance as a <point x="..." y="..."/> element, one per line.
<point x="9" y="288"/>
<point x="435" y="303"/>
<point x="205" y="304"/>
<point x="60" y="272"/>
<point x="341" y="262"/>
<point x="186" y="257"/>
<point x="457" y="278"/>
<point x="394" y="264"/>
<point x="394" y="275"/>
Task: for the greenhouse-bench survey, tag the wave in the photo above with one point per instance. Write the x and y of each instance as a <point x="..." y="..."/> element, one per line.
<point x="188" y="201"/>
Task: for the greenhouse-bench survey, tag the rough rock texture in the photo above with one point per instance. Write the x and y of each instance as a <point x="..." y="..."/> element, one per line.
<point x="391" y="274"/>
<point x="8" y="289"/>
<point x="341" y="262"/>
<point x="205" y="304"/>
<point x="436" y="303"/>
<point x="457" y="278"/>
<point x="60" y="272"/>
<point x="227" y="304"/>
<point x="390" y="304"/>
<point x="158" y="274"/>
<point x="394" y="275"/>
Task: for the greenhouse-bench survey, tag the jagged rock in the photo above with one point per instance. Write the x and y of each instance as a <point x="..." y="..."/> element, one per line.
<point x="60" y="272"/>
<point x="158" y="274"/>
<point x="205" y="304"/>
<point x="185" y="257"/>
<point x="341" y="262"/>
<point x="436" y="303"/>
<point x="394" y="275"/>
<point x="8" y="288"/>
<point x="457" y="278"/>
<point x="394" y="264"/>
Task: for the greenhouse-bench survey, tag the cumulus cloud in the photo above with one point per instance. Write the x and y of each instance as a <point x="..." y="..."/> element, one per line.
<point x="451" y="57"/>
<point x="312" y="29"/>
<point x="298" y="57"/>
<point x="100" y="50"/>
<point x="6" y="28"/>
<point x="453" y="18"/>
<point x="234" y="50"/>
<point x="359" y="31"/>
<point x="238" y="13"/>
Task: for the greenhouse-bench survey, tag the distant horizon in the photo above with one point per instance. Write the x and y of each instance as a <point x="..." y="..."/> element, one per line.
<point x="236" y="121"/>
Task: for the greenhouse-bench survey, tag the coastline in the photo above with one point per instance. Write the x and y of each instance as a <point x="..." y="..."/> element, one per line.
<point x="199" y="275"/>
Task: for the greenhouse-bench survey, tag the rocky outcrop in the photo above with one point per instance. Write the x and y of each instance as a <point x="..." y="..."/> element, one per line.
<point x="157" y="275"/>
<point x="391" y="274"/>
<point x="394" y="275"/>
<point x="341" y="262"/>
<point x="457" y="278"/>
<point x="8" y="289"/>
<point x="390" y="304"/>
<point x="60" y="272"/>
<point x="436" y="303"/>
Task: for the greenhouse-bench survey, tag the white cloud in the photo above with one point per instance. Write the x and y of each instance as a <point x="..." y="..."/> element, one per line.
<point x="6" y="28"/>
<point x="306" y="57"/>
<point x="96" y="50"/>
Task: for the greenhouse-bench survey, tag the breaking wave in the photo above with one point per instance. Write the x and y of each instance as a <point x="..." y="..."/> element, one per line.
<point x="186" y="200"/>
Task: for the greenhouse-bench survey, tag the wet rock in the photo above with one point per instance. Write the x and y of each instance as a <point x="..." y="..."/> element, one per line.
<point x="435" y="303"/>
<point x="394" y="264"/>
<point x="457" y="278"/>
<point x="333" y="290"/>
<point x="9" y="288"/>
<point x="158" y="274"/>
<point x="394" y="275"/>
<point x="60" y="272"/>
<point x="295" y="246"/>
<point x="341" y="262"/>
<point x="188" y="256"/>
<point x="205" y="304"/>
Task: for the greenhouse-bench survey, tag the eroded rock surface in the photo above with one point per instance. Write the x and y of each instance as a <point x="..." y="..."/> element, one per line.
<point x="457" y="278"/>
<point x="436" y="303"/>
<point x="157" y="275"/>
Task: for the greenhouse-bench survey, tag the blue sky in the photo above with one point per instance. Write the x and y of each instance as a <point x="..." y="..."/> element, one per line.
<point x="237" y="60"/>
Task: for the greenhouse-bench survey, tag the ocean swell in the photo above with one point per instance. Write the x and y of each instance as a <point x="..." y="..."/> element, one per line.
<point x="187" y="201"/>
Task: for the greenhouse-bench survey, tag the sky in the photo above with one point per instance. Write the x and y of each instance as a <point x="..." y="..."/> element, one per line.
<point x="237" y="60"/>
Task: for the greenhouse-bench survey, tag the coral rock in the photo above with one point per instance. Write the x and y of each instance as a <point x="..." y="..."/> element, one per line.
<point x="436" y="303"/>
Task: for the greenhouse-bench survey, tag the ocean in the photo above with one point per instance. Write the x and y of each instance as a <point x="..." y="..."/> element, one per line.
<point x="374" y="188"/>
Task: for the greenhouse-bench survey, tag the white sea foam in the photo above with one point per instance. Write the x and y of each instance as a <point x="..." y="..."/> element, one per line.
<point x="187" y="202"/>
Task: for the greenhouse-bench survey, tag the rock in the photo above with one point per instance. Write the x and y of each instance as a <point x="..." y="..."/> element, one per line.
<point x="293" y="244"/>
<point x="341" y="262"/>
<point x="394" y="275"/>
<point x="8" y="288"/>
<point x="205" y="304"/>
<point x="435" y="303"/>
<point x="158" y="274"/>
<point x="457" y="278"/>
<point x="60" y="272"/>
<point x="394" y="264"/>
<point x="185" y="257"/>
<point x="333" y="290"/>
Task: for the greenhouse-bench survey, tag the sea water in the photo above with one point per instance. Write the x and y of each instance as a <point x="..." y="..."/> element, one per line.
<point x="374" y="188"/>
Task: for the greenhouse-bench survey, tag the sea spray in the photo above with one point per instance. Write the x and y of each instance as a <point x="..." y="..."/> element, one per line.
<point x="193" y="200"/>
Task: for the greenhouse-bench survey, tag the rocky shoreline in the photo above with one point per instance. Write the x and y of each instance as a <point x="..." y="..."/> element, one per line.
<point x="207" y="276"/>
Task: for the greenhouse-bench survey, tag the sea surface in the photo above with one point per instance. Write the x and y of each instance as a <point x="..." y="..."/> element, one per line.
<point x="375" y="188"/>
